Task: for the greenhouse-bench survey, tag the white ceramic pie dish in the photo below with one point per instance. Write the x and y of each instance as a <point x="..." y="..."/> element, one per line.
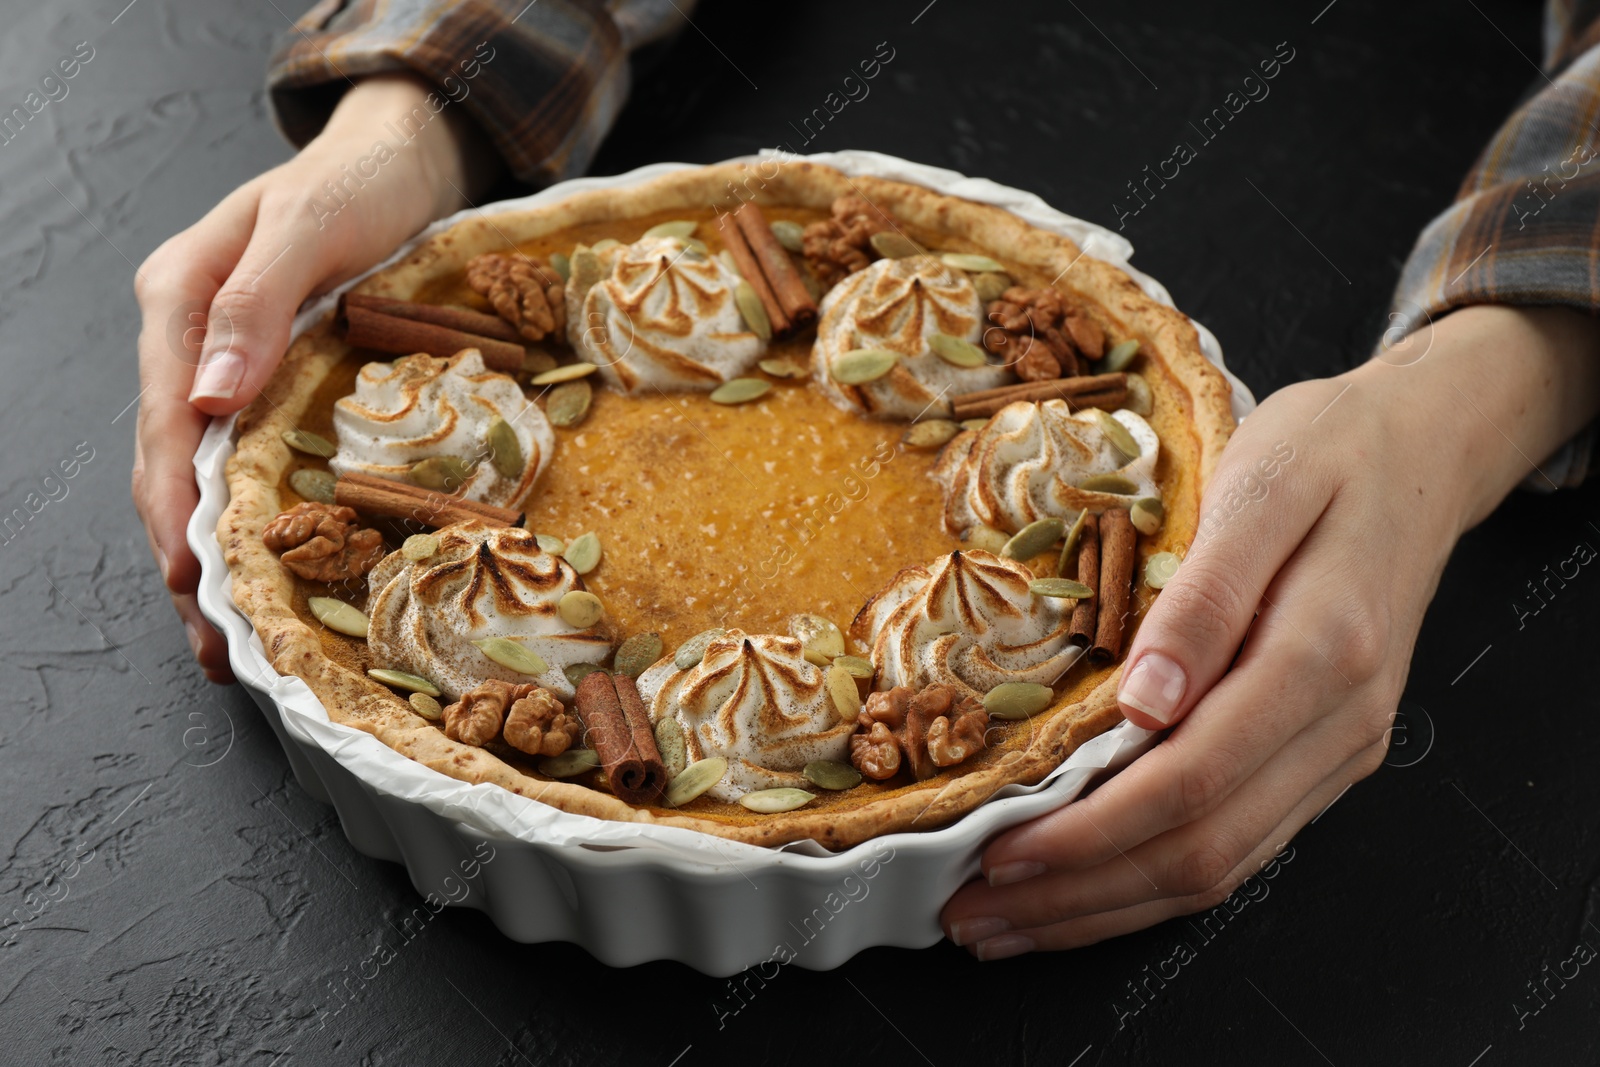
<point x="629" y="893"/>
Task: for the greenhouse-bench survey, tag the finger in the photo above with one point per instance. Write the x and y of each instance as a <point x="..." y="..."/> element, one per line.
<point x="209" y="647"/>
<point x="1191" y="632"/>
<point x="997" y="943"/>
<point x="248" y="323"/>
<point x="1190" y="860"/>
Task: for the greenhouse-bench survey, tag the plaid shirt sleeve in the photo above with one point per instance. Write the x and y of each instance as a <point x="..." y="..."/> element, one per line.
<point x="544" y="80"/>
<point x="1523" y="228"/>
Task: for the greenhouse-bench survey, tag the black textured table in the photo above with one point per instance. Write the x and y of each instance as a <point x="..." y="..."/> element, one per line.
<point x="169" y="893"/>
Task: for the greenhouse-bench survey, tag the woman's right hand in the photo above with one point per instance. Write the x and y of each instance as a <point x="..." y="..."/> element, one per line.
<point x="217" y="300"/>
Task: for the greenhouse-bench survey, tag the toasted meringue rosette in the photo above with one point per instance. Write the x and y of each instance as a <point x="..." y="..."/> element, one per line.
<point x="484" y="581"/>
<point x="1028" y="462"/>
<point x="421" y="407"/>
<point x="896" y="305"/>
<point x="661" y="316"/>
<point x="756" y="701"/>
<point x="969" y="620"/>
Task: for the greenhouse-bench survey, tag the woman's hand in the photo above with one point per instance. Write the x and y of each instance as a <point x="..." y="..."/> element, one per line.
<point x="1322" y="538"/>
<point x="217" y="299"/>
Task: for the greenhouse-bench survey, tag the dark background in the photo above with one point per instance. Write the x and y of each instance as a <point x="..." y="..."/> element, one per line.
<point x="199" y="903"/>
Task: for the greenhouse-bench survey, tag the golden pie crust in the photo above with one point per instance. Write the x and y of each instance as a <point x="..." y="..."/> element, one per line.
<point x="1194" y="394"/>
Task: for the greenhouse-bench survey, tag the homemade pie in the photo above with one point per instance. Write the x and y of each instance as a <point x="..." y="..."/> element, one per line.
<point x="765" y="501"/>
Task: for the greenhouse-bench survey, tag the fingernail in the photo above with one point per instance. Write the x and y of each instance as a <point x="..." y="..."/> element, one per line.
<point x="968" y="931"/>
<point x="163" y="563"/>
<point x="219" y="377"/>
<point x="1012" y="873"/>
<point x="1154" y="686"/>
<point x="1003" y="947"/>
<point x="194" y="638"/>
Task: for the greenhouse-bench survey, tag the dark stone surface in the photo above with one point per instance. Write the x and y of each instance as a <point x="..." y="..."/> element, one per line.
<point x="219" y="902"/>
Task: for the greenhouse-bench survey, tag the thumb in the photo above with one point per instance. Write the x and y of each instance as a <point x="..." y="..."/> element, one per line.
<point x="247" y="326"/>
<point x="1196" y="625"/>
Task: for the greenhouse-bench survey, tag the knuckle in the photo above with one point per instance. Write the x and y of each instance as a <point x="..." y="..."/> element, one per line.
<point x="1205" y="606"/>
<point x="1201" y="870"/>
<point x="1201" y="786"/>
<point x="1357" y="641"/>
<point x="235" y="303"/>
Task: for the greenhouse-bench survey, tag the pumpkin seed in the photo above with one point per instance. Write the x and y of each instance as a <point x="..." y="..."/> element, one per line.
<point x="420" y="547"/>
<point x="892" y="245"/>
<point x="1033" y="539"/>
<point x="816" y="632"/>
<point x="676" y="228"/>
<point x="813" y="286"/>
<point x="752" y="310"/>
<point x="1071" y="543"/>
<point x="1063" y="588"/>
<point x="1017" y="700"/>
<point x="670" y="743"/>
<point x="858" y="667"/>
<point x="986" y="538"/>
<point x="550" y="543"/>
<point x="573" y="761"/>
<point x="740" y="391"/>
<point x="1160" y="569"/>
<point x="337" y="615"/>
<point x="790" y="235"/>
<point x="537" y="361"/>
<point x="314" y="484"/>
<point x="586" y="270"/>
<point x="1140" y="400"/>
<point x="729" y="263"/>
<point x="934" y="433"/>
<point x="444" y="474"/>
<point x="784" y="367"/>
<point x="577" y="672"/>
<point x="818" y="659"/>
<point x="695" y="779"/>
<point x="512" y="656"/>
<point x="957" y="351"/>
<point x="970" y="262"/>
<point x="1108" y="483"/>
<point x="1147" y="514"/>
<point x="861" y="365"/>
<point x="568" y="403"/>
<point x="583" y="553"/>
<point x="974" y="424"/>
<point x="1120" y="356"/>
<point x="831" y="774"/>
<point x="846" y="696"/>
<point x="695" y="248"/>
<point x="692" y="651"/>
<point x="310" y="443"/>
<point x="604" y="244"/>
<point x="991" y="286"/>
<point x="579" y="609"/>
<point x="561" y="265"/>
<point x="773" y="801"/>
<point x="505" y="451"/>
<point x="401" y="680"/>
<point x="1117" y="434"/>
<point x="570" y="372"/>
<point x="637" y="654"/>
<point x="426" y="706"/>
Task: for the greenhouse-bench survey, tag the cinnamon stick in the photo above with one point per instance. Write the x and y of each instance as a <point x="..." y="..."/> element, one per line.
<point x="617" y="727"/>
<point x="964" y="407"/>
<point x="750" y="269"/>
<point x="1083" y="615"/>
<point x="1117" y="538"/>
<point x="381" y="497"/>
<point x="779" y="269"/>
<point x="366" y="328"/>
<point x="456" y="318"/>
<point x="1082" y="383"/>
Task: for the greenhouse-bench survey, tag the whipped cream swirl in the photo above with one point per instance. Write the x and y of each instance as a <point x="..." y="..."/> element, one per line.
<point x="1028" y="461"/>
<point x="897" y="304"/>
<point x="421" y="406"/>
<point x="485" y="581"/>
<point x="756" y="701"/>
<point x="661" y="316"/>
<point x="967" y="619"/>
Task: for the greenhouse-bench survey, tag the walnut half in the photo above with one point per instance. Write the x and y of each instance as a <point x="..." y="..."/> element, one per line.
<point x="322" y="543"/>
<point x="524" y="291"/>
<point x="536" y="724"/>
<point x="939" y="726"/>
